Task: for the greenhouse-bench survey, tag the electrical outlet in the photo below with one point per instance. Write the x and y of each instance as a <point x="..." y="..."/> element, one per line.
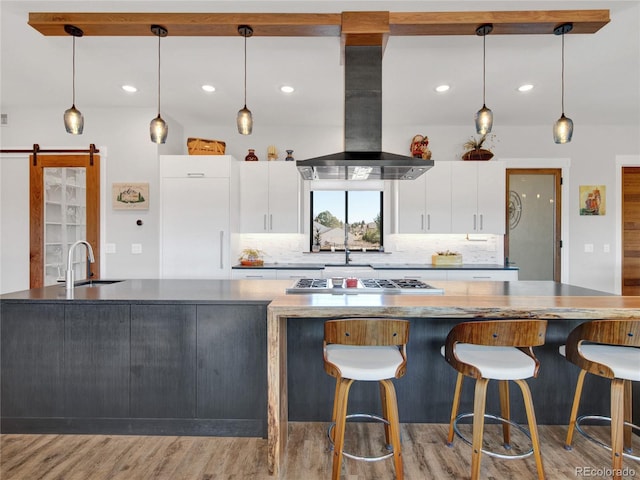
<point x="136" y="248"/>
<point x="588" y="248"/>
<point x="606" y="248"/>
<point x="109" y="248"/>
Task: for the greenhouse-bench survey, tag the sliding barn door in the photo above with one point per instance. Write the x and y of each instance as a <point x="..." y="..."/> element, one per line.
<point x="64" y="207"/>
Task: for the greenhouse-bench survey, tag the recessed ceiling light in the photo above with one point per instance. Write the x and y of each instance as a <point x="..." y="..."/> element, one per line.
<point x="525" y="88"/>
<point x="287" y="89"/>
<point x="442" y="88"/>
<point x="208" y="88"/>
<point x="129" y="88"/>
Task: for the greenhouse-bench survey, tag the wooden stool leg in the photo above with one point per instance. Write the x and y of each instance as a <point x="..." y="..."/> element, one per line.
<point x="455" y="407"/>
<point x="533" y="426"/>
<point x="336" y="402"/>
<point x="505" y="412"/>
<point x="617" y="430"/>
<point x="385" y="412"/>
<point x="394" y="425"/>
<point x="479" y="401"/>
<point x="341" y="419"/>
<point x="574" y="409"/>
<point x="628" y="415"/>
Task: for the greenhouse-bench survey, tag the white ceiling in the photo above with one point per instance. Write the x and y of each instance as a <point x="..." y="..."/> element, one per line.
<point x="602" y="70"/>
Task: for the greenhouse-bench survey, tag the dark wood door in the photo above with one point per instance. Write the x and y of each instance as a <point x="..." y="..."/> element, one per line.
<point x="232" y="361"/>
<point x="630" y="230"/>
<point x="32" y="360"/>
<point x="83" y="199"/>
<point x="97" y="360"/>
<point x="163" y="361"/>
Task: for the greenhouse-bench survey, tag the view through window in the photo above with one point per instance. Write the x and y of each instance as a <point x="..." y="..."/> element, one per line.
<point x="354" y="216"/>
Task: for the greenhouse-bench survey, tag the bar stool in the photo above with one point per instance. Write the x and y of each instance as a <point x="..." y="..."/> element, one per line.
<point x="495" y="350"/>
<point x="607" y="348"/>
<point x="365" y="349"/>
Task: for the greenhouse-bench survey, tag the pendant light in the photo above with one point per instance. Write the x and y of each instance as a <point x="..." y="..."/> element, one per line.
<point x="245" y="120"/>
<point x="158" y="127"/>
<point x="484" y="116"/>
<point x="563" y="128"/>
<point x="73" y="119"/>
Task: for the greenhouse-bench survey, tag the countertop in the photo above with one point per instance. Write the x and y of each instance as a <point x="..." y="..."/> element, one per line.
<point x="378" y="266"/>
<point x="264" y="291"/>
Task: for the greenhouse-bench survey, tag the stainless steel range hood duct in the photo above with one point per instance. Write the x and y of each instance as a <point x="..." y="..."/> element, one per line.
<point x="363" y="157"/>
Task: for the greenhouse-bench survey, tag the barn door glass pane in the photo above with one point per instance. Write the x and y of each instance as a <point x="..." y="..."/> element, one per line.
<point x="65" y="221"/>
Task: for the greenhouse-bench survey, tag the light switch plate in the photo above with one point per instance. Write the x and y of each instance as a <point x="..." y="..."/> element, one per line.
<point x="136" y="248"/>
<point x="588" y="248"/>
<point x="109" y="248"/>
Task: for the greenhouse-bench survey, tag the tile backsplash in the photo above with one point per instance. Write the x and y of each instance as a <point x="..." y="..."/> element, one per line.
<point x="399" y="248"/>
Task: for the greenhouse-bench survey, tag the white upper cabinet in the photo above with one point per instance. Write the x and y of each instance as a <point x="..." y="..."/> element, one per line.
<point x="269" y="197"/>
<point x="424" y="204"/>
<point x="478" y="197"/>
<point x="196" y="202"/>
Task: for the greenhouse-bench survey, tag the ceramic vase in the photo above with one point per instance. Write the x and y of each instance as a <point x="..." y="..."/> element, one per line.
<point x="251" y="156"/>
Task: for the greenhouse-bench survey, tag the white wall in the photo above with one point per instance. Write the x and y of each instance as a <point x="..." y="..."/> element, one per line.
<point x="132" y="157"/>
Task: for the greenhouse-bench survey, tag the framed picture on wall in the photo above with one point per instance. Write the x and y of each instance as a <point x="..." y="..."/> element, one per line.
<point x="130" y="196"/>
<point x="593" y="200"/>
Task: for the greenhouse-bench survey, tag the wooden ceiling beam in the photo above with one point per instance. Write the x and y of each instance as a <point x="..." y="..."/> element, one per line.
<point x="321" y="24"/>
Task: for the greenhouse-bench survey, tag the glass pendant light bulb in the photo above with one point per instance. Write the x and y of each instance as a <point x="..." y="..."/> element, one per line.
<point x="73" y="119"/>
<point x="563" y="128"/>
<point x="245" y="119"/>
<point x="158" y="128"/>
<point x="484" y="116"/>
<point x="484" y="120"/>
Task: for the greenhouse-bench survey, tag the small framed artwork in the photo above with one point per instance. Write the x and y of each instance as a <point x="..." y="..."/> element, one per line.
<point x="593" y="200"/>
<point x="130" y="196"/>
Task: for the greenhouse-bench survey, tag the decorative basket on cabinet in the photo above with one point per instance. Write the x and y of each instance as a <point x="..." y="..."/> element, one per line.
<point x="201" y="146"/>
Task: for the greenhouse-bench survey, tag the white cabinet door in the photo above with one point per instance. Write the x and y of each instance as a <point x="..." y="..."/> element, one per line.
<point x="254" y="197"/>
<point x="252" y="274"/>
<point x="424" y="204"/>
<point x="295" y="274"/>
<point x="483" y="275"/>
<point x="478" y="197"/>
<point x="438" y="198"/>
<point x="423" y="275"/>
<point x="269" y="197"/>
<point x="194" y="218"/>
<point x="284" y="197"/>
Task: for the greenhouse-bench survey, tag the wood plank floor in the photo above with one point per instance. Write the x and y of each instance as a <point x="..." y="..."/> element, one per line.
<point x="102" y="457"/>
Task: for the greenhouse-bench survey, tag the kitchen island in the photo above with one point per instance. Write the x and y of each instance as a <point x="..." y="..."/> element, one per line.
<point x="219" y="357"/>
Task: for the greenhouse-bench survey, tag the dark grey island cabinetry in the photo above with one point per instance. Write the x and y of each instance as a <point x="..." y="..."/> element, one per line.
<point x="163" y="366"/>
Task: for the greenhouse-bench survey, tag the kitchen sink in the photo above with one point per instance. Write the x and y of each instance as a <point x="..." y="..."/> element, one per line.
<point x="95" y="283"/>
<point x="347" y="264"/>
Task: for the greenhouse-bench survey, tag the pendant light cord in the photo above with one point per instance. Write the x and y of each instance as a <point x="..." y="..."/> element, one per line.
<point x="245" y="70"/>
<point x="159" y="37"/>
<point x="484" y="67"/>
<point x="562" y="76"/>
<point x="73" y="69"/>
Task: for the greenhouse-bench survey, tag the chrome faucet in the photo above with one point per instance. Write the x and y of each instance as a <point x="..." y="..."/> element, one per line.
<point x="347" y="252"/>
<point x="69" y="275"/>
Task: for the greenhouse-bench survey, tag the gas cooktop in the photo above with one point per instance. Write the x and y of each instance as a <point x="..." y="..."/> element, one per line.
<point x="364" y="285"/>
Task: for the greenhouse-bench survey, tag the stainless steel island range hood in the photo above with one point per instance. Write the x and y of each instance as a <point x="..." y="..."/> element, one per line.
<point x="363" y="158"/>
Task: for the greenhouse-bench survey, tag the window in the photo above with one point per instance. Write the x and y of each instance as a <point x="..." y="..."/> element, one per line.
<point x="354" y="216"/>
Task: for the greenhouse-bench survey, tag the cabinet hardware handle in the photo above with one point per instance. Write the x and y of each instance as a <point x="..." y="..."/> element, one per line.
<point x="428" y="221"/>
<point x="481" y="222"/>
<point x="264" y="221"/>
<point x="195" y="174"/>
<point x="221" y="249"/>
<point x="422" y="221"/>
<point x="271" y="221"/>
<point x="474" y="221"/>
<point x="480" y="276"/>
<point x="255" y="276"/>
